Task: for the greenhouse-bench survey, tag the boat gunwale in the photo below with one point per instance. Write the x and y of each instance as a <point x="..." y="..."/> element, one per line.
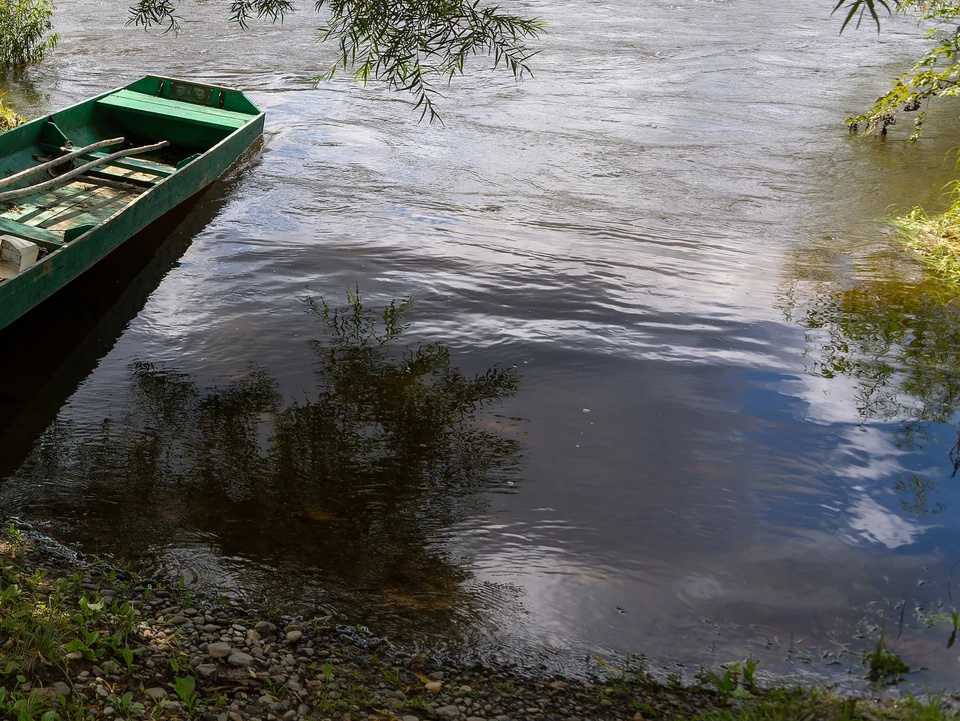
<point x="49" y="117"/>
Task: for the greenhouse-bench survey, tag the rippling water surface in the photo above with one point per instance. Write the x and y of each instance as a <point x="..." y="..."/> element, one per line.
<point x="737" y="400"/>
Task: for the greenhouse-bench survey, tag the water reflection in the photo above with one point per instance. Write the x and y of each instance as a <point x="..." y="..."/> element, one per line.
<point x="896" y="340"/>
<point x="340" y="492"/>
<point x="62" y="341"/>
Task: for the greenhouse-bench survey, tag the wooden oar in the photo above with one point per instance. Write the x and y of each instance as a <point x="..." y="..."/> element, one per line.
<point x="57" y="161"/>
<point x="60" y="179"/>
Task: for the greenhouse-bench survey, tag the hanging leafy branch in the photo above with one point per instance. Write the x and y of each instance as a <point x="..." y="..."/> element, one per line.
<point x="935" y="75"/>
<point x="858" y="8"/>
<point x="410" y="45"/>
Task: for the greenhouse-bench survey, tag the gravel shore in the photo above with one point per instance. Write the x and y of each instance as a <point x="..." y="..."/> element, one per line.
<point x="80" y="640"/>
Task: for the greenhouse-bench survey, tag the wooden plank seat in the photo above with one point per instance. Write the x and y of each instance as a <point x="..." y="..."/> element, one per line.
<point x="141" y="104"/>
<point x="140" y="166"/>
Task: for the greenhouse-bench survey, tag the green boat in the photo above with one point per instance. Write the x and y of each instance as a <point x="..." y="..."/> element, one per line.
<point x="77" y="184"/>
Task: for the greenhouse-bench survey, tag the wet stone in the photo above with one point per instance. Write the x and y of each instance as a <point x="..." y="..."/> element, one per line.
<point x="240" y="659"/>
<point x="219" y="650"/>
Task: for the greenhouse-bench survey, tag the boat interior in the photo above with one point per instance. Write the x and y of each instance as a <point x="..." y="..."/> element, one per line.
<point x="62" y="175"/>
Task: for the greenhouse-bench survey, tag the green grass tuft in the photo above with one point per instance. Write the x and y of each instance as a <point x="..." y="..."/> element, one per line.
<point x="934" y="238"/>
<point x="884" y="666"/>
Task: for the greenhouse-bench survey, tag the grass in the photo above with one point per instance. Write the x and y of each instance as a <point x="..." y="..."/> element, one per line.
<point x="8" y="118"/>
<point x="934" y="238"/>
<point x="884" y="666"/>
<point x="45" y="622"/>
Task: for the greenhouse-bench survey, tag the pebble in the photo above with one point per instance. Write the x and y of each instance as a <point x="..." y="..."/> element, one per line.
<point x="447" y="711"/>
<point x="156" y="693"/>
<point x="294" y="636"/>
<point x="61" y="689"/>
<point x="240" y="659"/>
<point x="219" y="650"/>
<point x="409" y="718"/>
<point x="434" y="687"/>
<point x="206" y="669"/>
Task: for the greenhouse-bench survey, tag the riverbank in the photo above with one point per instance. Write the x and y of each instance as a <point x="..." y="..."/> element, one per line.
<point x="81" y="640"/>
<point x="935" y="239"/>
<point x="9" y="118"/>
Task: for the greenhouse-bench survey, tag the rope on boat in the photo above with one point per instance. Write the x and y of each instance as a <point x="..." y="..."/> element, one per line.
<point x="57" y="161"/>
<point x="60" y="179"/>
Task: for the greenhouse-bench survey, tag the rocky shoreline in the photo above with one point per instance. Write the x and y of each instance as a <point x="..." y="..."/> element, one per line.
<point x="79" y="640"/>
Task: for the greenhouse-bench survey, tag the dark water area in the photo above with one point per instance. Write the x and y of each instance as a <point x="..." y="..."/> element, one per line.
<point x="723" y="403"/>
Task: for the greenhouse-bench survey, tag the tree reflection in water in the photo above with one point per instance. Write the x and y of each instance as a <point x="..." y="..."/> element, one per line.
<point x="345" y="490"/>
<point x="898" y="341"/>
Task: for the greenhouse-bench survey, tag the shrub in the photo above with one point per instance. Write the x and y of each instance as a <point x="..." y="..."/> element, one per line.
<point x="25" y="31"/>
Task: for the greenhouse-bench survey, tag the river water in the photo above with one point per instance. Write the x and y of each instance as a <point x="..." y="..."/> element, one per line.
<point x="737" y="396"/>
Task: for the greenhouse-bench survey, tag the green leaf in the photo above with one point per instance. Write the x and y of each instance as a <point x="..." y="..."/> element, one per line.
<point x="184" y="687"/>
<point x="861" y="6"/>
